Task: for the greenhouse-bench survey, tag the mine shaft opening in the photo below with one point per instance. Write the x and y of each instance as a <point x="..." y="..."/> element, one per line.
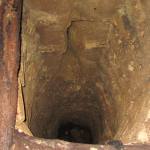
<point x="74" y="116"/>
<point x="80" y="71"/>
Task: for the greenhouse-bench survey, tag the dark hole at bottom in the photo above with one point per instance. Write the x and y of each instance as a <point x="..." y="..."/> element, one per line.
<point x="73" y="132"/>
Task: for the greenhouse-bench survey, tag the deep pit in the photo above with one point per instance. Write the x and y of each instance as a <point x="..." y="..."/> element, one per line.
<point x="82" y="70"/>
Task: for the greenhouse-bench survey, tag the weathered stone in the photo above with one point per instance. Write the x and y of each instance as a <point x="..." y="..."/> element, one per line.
<point x="86" y="64"/>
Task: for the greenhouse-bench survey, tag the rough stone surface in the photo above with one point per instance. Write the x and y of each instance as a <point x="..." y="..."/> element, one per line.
<point x="87" y="62"/>
<point x="24" y="142"/>
<point x="93" y="80"/>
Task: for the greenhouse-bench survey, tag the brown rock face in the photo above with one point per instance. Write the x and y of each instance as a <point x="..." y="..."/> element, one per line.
<point x="86" y="63"/>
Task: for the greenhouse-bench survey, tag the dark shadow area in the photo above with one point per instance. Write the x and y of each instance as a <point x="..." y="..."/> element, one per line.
<point x="74" y="132"/>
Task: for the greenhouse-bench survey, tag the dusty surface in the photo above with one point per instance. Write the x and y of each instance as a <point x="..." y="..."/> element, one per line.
<point x="87" y="62"/>
<point x="29" y="143"/>
<point x="9" y="65"/>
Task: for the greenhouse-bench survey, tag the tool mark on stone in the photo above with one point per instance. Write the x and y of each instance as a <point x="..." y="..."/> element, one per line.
<point x="127" y="23"/>
<point x="69" y="47"/>
<point x="68" y="38"/>
<point x="131" y="29"/>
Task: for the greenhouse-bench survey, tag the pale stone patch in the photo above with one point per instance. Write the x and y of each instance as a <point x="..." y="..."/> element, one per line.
<point x="78" y="87"/>
<point x="40" y="142"/>
<point x="131" y="67"/>
<point x="13" y="147"/>
<point x="26" y="146"/>
<point x="23" y="128"/>
<point x="63" y="145"/>
<point x="142" y="136"/>
<point x="148" y="116"/>
<point x="20" y="117"/>
<point x="91" y="44"/>
<point x="93" y="148"/>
